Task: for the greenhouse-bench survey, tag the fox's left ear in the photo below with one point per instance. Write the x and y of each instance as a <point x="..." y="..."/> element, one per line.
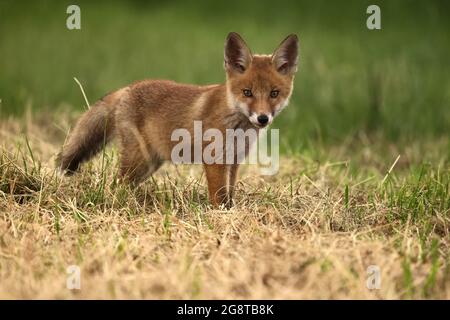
<point x="285" y="57"/>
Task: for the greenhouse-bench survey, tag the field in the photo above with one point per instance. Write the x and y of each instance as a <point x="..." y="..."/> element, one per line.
<point x="364" y="174"/>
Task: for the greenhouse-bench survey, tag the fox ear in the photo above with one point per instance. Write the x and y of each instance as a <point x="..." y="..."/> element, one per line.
<point x="237" y="55"/>
<point x="285" y="57"/>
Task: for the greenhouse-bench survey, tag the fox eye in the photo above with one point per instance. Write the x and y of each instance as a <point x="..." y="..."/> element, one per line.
<point x="247" y="92"/>
<point x="274" y="93"/>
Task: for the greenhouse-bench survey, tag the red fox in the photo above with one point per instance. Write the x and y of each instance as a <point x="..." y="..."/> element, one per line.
<point x="144" y="114"/>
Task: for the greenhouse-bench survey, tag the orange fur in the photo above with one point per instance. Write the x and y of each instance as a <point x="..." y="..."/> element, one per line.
<point x="144" y="114"/>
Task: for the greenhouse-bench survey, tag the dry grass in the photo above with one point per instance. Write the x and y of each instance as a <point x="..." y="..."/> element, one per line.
<point x="309" y="232"/>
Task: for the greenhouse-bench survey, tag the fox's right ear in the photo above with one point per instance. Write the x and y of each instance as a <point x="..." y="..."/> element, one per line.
<point x="237" y="56"/>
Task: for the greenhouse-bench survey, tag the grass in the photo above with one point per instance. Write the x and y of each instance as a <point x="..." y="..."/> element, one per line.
<point x="343" y="200"/>
<point x="309" y="232"/>
<point x="351" y="79"/>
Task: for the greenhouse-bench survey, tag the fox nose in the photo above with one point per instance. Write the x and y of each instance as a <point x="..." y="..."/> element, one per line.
<point x="263" y="119"/>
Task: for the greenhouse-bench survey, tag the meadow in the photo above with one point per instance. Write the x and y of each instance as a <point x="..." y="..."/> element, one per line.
<point x="364" y="174"/>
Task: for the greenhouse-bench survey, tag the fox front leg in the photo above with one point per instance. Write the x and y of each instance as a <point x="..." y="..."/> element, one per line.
<point x="233" y="170"/>
<point x="217" y="176"/>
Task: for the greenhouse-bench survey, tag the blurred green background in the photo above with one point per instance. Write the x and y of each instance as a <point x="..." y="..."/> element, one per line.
<point x="393" y="83"/>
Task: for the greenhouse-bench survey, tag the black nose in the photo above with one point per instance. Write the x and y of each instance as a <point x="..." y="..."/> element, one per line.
<point x="263" y="119"/>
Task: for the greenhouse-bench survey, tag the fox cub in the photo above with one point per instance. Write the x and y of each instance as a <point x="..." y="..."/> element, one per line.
<point x="144" y="114"/>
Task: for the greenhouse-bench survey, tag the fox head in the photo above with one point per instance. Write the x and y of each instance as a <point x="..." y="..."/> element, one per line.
<point x="259" y="86"/>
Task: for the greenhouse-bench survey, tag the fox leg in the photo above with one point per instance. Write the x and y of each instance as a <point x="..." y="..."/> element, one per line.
<point x="134" y="168"/>
<point x="216" y="176"/>
<point x="233" y="169"/>
<point x="137" y="160"/>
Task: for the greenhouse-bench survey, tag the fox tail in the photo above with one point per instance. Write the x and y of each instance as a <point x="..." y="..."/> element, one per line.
<point x="92" y="132"/>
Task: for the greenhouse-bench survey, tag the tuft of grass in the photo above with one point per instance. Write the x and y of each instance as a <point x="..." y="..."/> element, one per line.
<point x="311" y="231"/>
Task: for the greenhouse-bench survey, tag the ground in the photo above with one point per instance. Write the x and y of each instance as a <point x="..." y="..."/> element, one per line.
<point x="343" y="206"/>
<point x="321" y="228"/>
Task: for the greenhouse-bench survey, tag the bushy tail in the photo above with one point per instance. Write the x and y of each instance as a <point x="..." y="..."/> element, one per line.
<point x="92" y="132"/>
